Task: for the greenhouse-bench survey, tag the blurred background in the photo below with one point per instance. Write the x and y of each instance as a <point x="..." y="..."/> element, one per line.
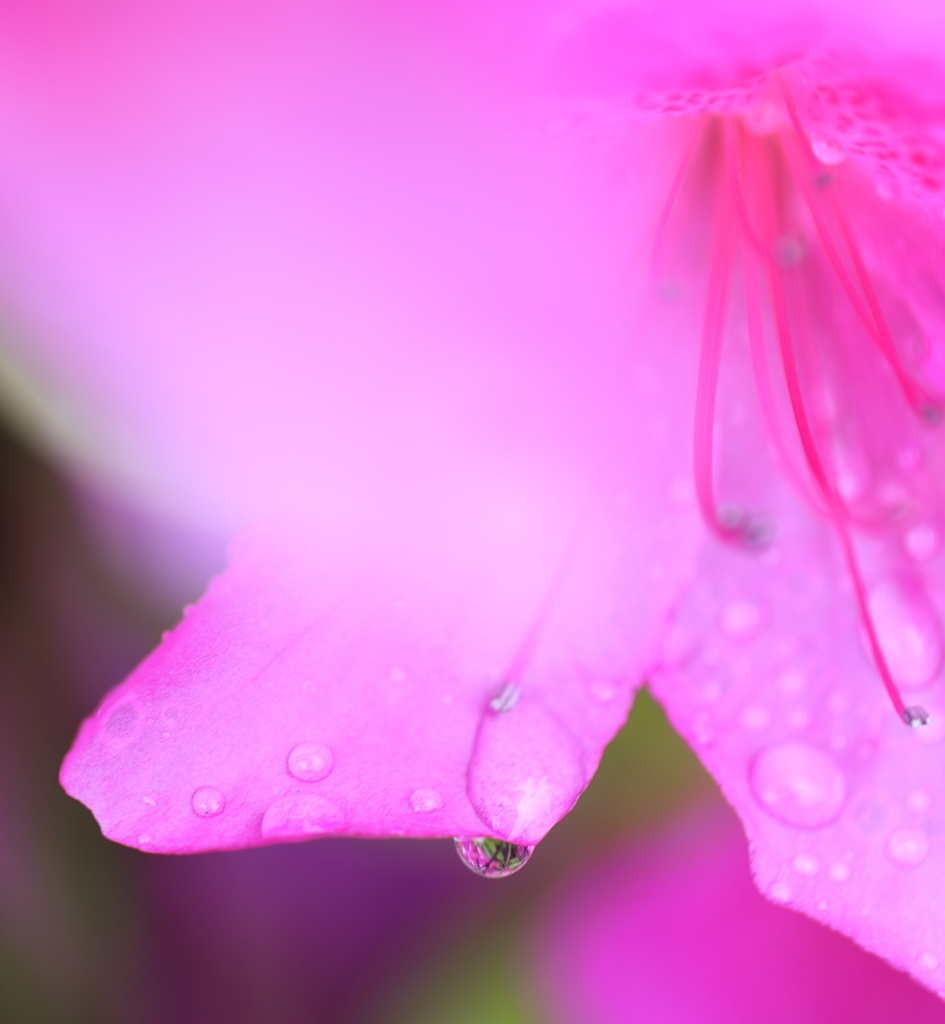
<point x="334" y="930"/>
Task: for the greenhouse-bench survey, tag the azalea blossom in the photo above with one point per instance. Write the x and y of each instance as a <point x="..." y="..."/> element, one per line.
<point x="532" y="354"/>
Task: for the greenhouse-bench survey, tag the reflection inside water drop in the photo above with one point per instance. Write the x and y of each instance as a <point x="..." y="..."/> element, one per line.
<point x="492" y="858"/>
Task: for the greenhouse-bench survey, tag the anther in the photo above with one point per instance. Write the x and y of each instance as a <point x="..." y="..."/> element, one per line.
<point x="916" y="715"/>
<point x="506" y="698"/>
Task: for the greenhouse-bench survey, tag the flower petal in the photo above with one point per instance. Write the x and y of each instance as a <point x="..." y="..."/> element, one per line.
<point x="675" y="932"/>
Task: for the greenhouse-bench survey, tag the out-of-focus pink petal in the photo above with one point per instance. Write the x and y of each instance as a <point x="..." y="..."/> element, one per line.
<point x="336" y="274"/>
<point x="462" y="686"/>
<point x="675" y="932"/>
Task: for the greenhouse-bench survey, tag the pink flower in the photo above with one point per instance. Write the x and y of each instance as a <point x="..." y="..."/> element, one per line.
<point x="674" y="931"/>
<point x="527" y="415"/>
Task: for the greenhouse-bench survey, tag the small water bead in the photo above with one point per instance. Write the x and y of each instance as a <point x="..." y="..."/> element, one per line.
<point x="908" y="847"/>
<point x="207" y="802"/>
<point x="754" y="718"/>
<point x="302" y="816"/>
<point x="922" y="542"/>
<point x="740" y="618"/>
<point x="310" y="762"/>
<point x="826" y="151"/>
<point x="425" y="801"/>
<point x="799" y="785"/>
<point x="780" y="892"/>
<point x="909" y="634"/>
<point x="839" y="871"/>
<point x="492" y="858"/>
<point x="122" y="721"/>
<point x="792" y="683"/>
<point x="806" y="865"/>
<point x="603" y="692"/>
<point x="918" y="801"/>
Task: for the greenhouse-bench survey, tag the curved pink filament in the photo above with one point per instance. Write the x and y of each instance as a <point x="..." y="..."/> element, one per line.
<point x="811" y="452"/>
<point x="713" y="331"/>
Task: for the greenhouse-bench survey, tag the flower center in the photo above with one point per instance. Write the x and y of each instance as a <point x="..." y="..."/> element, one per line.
<point x="837" y="386"/>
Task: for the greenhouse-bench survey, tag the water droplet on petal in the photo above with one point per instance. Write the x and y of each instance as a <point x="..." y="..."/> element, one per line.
<point x="425" y="801"/>
<point x="302" y="815"/>
<point x="207" y="802"/>
<point x="603" y="692"/>
<point x="754" y="718"/>
<point x="798" y="784"/>
<point x="525" y="773"/>
<point x="792" y="682"/>
<point x="871" y="816"/>
<point x="918" y="801"/>
<point x="310" y="762"/>
<point x="827" y="152"/>
<point x="908" y="847"/>
<point x="740" y="618"/>
<point x="909" y="634"/>
<point x="123" y="724"/>
<point x="922" y="542"/>
<point x="780" y="892"/>
<point x="492" y="858"/>
<point x="928" y="961"/>
<point x="806" y="865"/>
<point x="839" y="871"/>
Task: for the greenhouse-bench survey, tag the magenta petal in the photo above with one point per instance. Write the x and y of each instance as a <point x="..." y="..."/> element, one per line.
<point x="439" y="694"/>
<point x="675" y="932"/>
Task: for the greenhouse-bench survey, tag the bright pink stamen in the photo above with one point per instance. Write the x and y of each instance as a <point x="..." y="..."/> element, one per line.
<point x="731" y="212"/>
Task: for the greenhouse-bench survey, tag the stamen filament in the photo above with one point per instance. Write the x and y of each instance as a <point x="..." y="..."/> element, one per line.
<point x="713" y="330"/>
<point x="922" y="402"/>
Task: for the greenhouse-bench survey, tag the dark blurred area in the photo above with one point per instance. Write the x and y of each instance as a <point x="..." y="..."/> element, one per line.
<point x="328" y="931"/>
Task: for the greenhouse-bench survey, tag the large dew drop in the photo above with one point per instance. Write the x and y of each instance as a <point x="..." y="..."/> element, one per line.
<point x="799" y="785"/>
<point x="492" y="858"/>
<point x="525" y="774"/>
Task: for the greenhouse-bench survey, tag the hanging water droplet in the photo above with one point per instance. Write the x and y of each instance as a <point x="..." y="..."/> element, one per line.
<point x="492" y="858"/>
<point x="909" y="634"/>
<point x="526" y="772"/>
<point x="302" y="816"/>
<point x="798" y="784"/>
<point x="207" y="801"/>
<point x="908" y="847"/>
<point x="506" y="698"/>
<point x="310" y="762"/>
<point x="916" y="715"/>
<point x="425" y="801"/>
